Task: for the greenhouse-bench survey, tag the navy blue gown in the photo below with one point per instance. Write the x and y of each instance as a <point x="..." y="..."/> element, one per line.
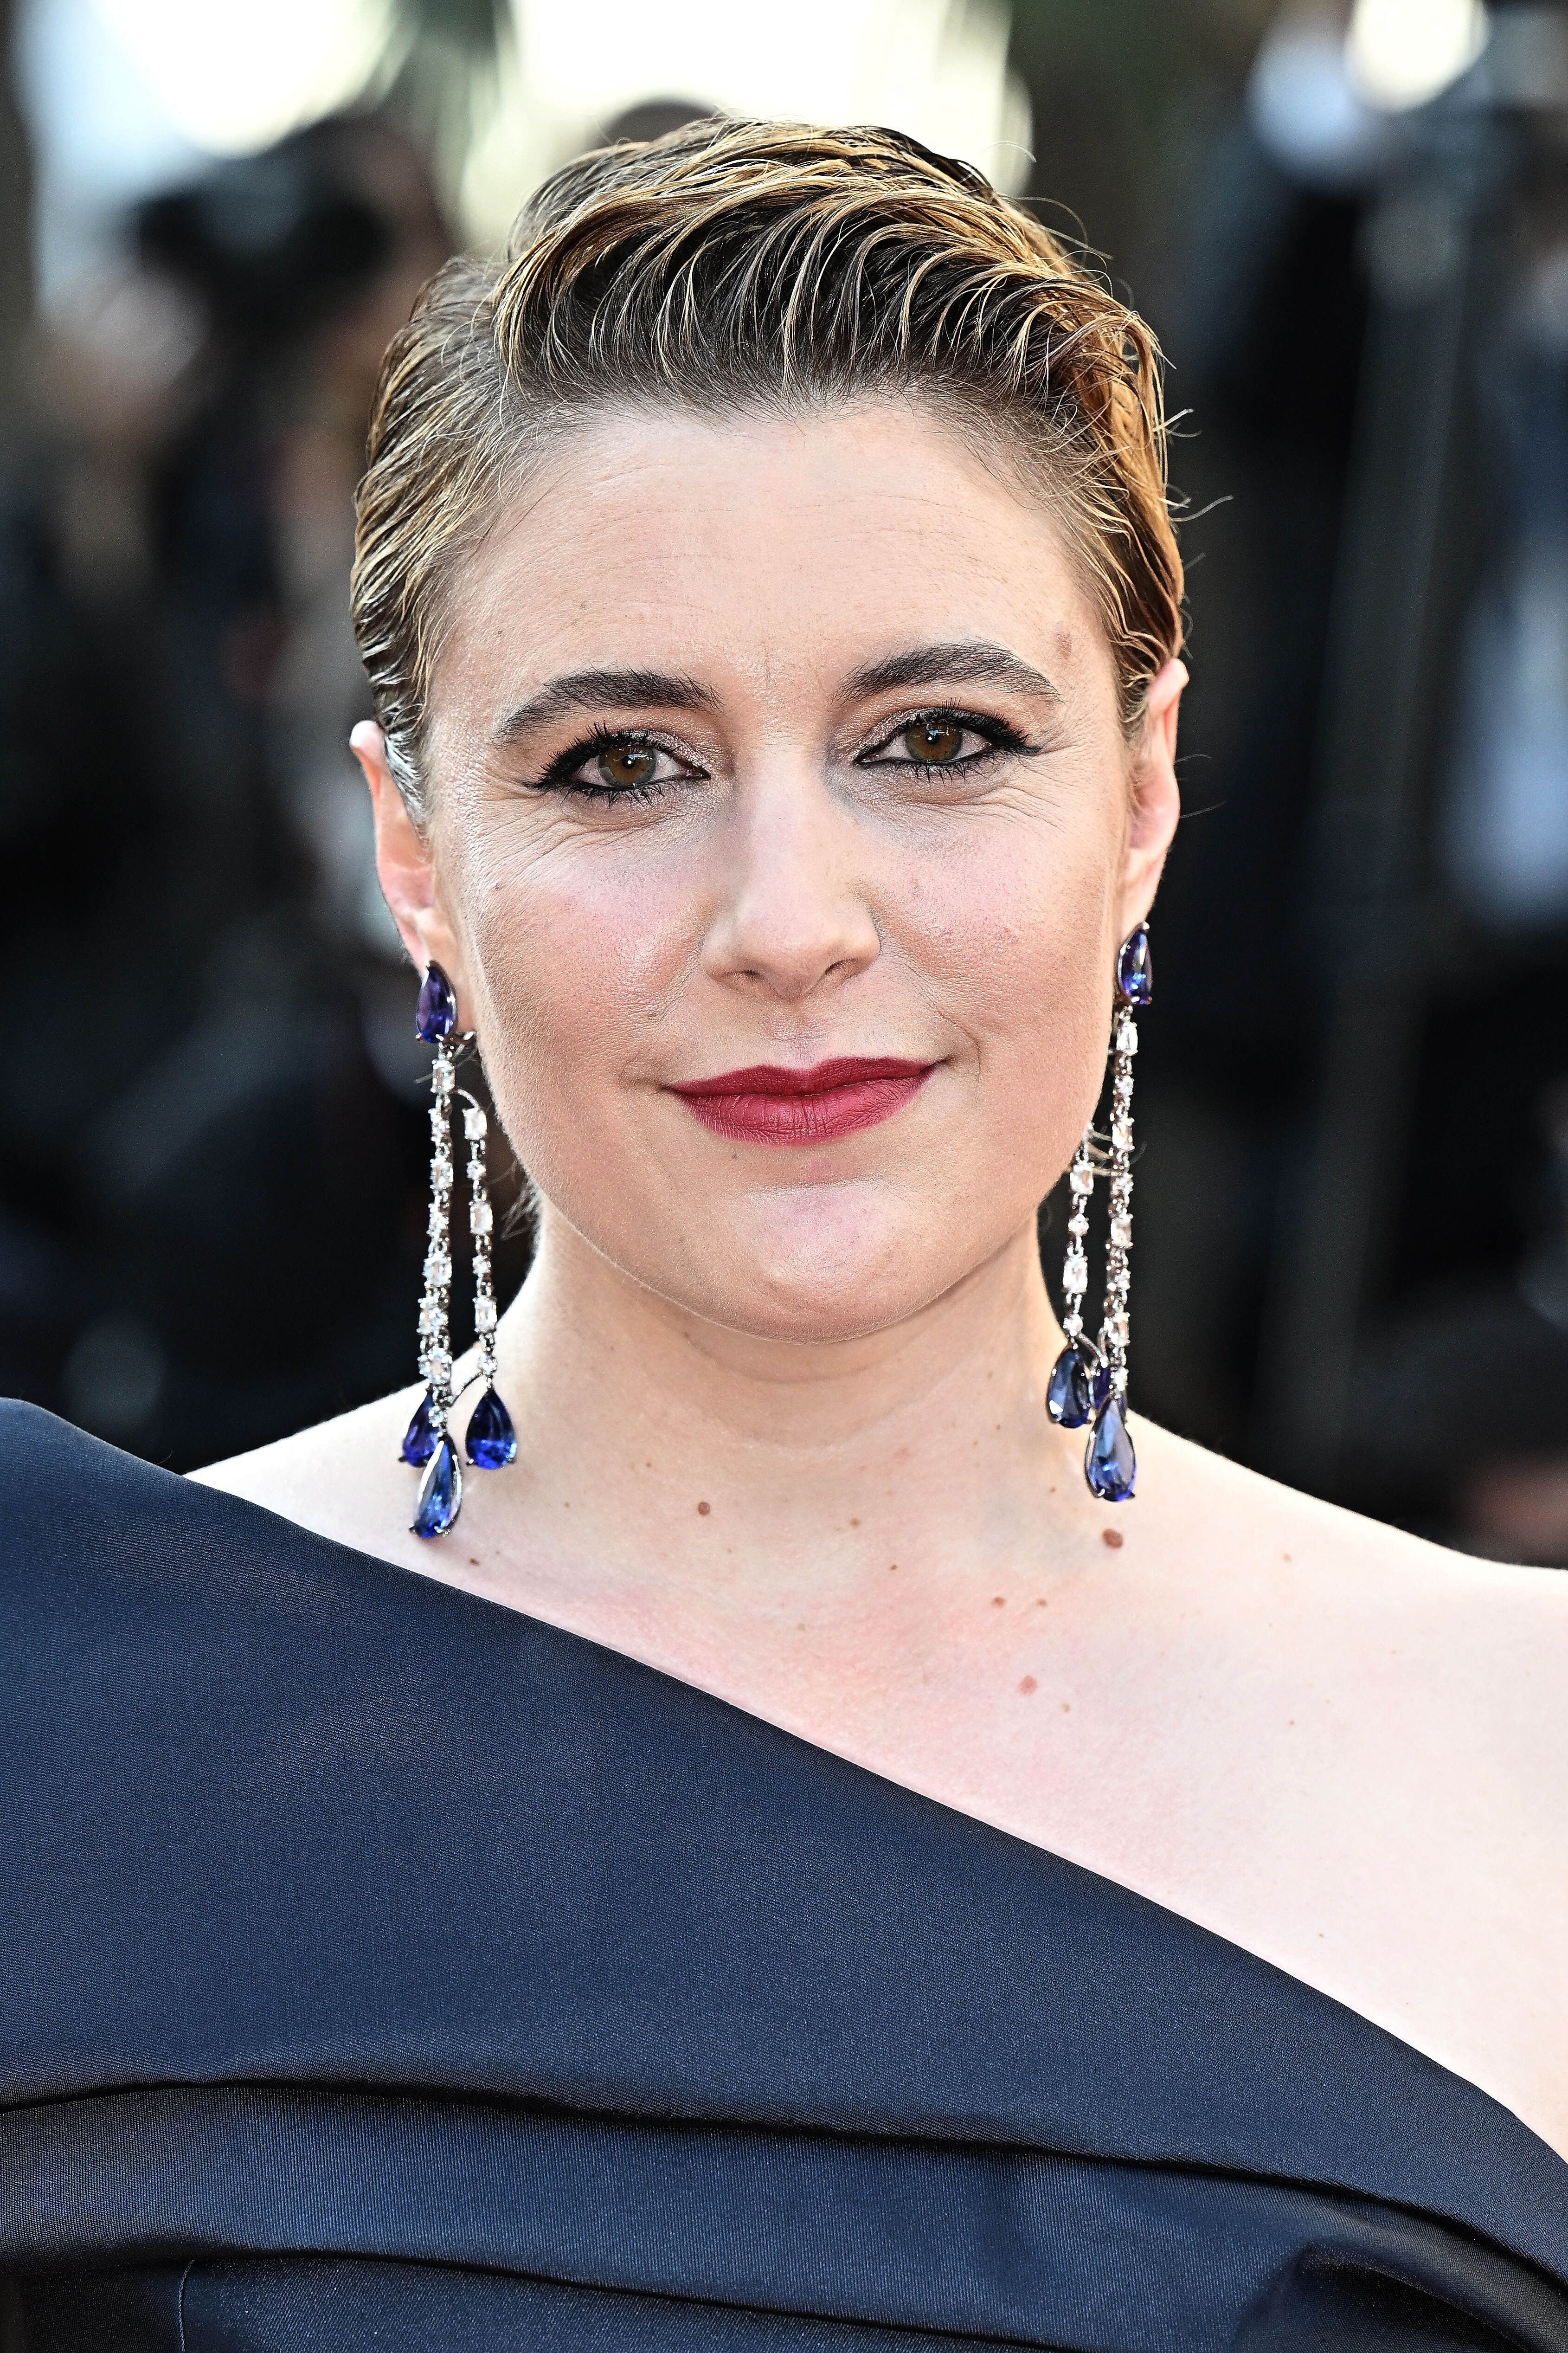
<point x="381" y="1969"/>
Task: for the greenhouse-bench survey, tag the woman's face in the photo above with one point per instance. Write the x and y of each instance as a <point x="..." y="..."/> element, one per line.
<point x="783" y="755"/>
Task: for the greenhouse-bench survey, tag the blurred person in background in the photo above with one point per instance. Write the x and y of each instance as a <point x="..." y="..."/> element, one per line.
<point x="1348" y="1274"/>
<point x="208" y="1185"/>
<point x="738" y="1809"/>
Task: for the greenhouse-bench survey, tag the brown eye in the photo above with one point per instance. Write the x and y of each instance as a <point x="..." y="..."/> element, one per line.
<point x="624" y="767"/>
<point x="934" y="743"/>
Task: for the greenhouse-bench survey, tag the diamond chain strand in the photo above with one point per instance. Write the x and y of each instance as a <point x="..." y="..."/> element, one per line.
<point x="1115" y="1330"/>
<point x="435" y="1338"/>
<point x="481" y="1226"/>
<point x="1075" y="1265"/>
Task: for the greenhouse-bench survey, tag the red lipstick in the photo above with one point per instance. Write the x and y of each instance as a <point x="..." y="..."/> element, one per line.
<point x="770" y="1104"/>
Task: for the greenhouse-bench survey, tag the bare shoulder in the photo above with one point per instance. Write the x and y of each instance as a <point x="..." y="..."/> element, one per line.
<point x="1362" y="1743"/>
<point x="1427" y="1642"/>
<point x="332" y="1479"/>
<point x="1249" y="1530"/>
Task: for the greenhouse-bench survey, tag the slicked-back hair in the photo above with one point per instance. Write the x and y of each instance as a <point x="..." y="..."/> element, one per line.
<point x="741" y="267"/>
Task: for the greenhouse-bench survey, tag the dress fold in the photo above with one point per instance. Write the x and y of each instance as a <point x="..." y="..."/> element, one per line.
<point x="379" y="1966"/>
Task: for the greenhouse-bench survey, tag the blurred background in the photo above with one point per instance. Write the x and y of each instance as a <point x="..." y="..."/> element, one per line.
<point x="1349" y="224"/>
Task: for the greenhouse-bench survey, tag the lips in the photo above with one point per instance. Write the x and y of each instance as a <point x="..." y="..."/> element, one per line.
<point x="771" y="1104"/>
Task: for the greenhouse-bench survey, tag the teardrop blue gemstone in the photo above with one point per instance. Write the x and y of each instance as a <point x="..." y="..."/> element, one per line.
<point x="1135" y="969"/>
<point x="1069" y="1393"/>
<point x="440" y="1492"/>
<point x="419" y="1438"/>
<point x="437" y="1008"/>
<point x="1110" y="1465"/>
<point x="492" y="1440"/>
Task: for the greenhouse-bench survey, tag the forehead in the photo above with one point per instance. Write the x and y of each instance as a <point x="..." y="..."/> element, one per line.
<point x="754" y="549"/>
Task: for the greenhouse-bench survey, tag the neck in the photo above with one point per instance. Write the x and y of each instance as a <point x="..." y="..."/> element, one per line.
<point x="830" y="1461"/>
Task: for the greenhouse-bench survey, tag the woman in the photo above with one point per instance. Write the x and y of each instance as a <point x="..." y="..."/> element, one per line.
<point x="796" y="1866"/>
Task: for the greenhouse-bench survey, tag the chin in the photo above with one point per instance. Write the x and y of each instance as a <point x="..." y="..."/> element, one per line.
<point x="818" y="1317"/>
<point x="838" y="1279"/>
<point x="809" y="1316"/>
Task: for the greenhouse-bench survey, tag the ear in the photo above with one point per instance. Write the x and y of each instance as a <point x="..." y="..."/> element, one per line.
<point x="403" y="864"/>
<point x="1156" y="797"/>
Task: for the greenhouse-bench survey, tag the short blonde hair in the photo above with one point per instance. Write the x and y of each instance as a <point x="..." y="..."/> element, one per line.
<point x="759" y="264"/>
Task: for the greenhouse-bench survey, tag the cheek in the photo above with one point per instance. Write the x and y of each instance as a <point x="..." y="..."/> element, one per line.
<point x="1013" y="929"/>
<point x="576" y="962"/>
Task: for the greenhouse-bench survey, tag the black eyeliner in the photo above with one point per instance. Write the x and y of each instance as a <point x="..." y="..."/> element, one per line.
<point x="559" y="776"/>
<point x="1000" y="735"/>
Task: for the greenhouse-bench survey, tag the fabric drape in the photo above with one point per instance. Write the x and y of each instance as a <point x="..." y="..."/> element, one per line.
<point x="381" y="1968"/>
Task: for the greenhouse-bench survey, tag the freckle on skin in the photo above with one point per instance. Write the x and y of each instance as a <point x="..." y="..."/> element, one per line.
<point x="703" y="1510"/>
<point x="998" y="1601"/>
<point x="473" y="1564"/>
<point x="892" y="1566"/>
<point x="854" y="1524"/>
<point x="1028" y="1685"/>
<point x="1042" y="1605"/>
<point x="1113" y="1537"/>
<point x="1067" y="1707"/>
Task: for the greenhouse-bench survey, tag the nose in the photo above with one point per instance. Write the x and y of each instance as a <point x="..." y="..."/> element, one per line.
<point x="794" y="918"/>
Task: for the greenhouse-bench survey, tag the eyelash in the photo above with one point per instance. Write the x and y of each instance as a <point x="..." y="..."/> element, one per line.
<point x="559" y="777"/>
<point x="996" y="733"/>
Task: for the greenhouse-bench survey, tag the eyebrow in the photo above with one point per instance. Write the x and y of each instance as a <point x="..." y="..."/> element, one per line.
<point x="969" y="663"/>
<point x="603" y="689"/>
<point x="966" y="662"/>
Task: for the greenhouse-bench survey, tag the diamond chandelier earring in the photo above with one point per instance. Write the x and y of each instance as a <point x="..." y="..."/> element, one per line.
<point x="1088" y="1379"/>
<point x="490" y="1442"/>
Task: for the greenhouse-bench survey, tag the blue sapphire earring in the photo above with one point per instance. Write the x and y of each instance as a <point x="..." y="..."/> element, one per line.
<point x="491" y="1442"/>
<point x="1088" y="1379"/>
